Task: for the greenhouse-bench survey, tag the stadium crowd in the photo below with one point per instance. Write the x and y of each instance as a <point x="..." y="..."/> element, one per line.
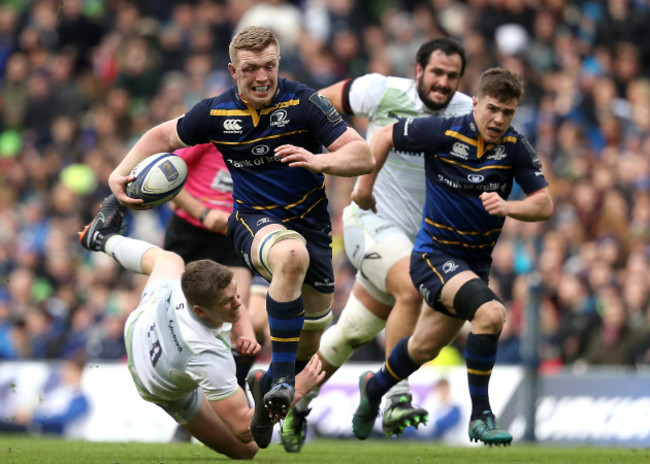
<point x="80" y="80"/>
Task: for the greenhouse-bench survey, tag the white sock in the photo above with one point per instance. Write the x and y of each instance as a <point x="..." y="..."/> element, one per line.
<point x="127" y="251"/>
<point x="399" y="389"/>
<point x="303" y="404"/>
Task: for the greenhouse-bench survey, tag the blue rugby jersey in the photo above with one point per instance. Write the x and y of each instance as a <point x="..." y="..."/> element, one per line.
<point x="247" y="138"/>
<point x="459" y="166"/>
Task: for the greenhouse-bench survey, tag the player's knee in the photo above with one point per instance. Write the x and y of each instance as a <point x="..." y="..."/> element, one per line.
<point x="356" y="326"/>
<point x="409" y="296"/>
<point x="471" y="296"/>
<point x="490" y="318"/>
<point x="291" y="258"/>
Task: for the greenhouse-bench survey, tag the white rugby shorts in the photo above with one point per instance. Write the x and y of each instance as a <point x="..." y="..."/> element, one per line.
<point x="373" y="245"/>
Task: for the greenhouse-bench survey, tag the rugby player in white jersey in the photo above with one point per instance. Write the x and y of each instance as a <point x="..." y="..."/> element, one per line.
<point x="178" y="339"/>
<point x="379" y="242"/>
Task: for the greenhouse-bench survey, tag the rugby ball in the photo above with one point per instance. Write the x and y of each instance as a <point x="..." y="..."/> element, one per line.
<point x="158" y="179"/>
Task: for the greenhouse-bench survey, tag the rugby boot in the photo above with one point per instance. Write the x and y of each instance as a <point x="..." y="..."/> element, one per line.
<point x="364" y="417"/>
<point x="400" y="414"/>
<point x="106" y="223"/>
<point x="488" y="430"/>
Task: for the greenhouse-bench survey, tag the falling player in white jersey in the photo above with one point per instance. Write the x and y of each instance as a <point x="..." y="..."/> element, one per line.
<point x="178" y="339"/>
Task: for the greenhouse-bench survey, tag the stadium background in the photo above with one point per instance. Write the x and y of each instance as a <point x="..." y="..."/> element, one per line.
<point x="80" y="80"/>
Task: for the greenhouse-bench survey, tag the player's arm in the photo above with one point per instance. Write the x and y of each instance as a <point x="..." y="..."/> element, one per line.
<point x="243" y="335"/>
<point x="214" y="219"/>
<point x="537" y="206"/>
<point x="349" y="155"/>
<point x="334" y="93"/>
<point x="158" y="139"/>
<point x="380" y="145"/>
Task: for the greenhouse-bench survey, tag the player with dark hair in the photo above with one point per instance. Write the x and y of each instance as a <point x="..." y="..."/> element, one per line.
<point x="379" y="242"/>
<point x="178" y="338"/>
<point x="471" y="162"/>
<point x="270" y="132"/>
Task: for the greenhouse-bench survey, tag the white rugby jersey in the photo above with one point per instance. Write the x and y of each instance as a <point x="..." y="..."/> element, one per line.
<point x="172" y="351"/>
<point x="400" y="186"/>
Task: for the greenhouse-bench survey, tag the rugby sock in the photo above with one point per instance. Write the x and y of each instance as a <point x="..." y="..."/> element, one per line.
<point x="127" y="251"/>
<point x="285" y="325"/>
<point x="300" y="365"/>
<point x="243" y="365"/>
<point x="480" y="355"/>
<point x="397" y="367"/>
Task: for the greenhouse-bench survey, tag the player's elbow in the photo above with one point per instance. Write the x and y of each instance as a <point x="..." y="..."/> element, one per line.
<point x="547" y="208"/>
<point x="368" y="163"/>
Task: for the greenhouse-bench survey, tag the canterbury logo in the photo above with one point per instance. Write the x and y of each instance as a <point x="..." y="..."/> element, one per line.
<point x="232" y="125"/>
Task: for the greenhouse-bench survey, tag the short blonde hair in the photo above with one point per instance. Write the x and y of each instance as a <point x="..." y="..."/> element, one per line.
<point x="253" y="38"/>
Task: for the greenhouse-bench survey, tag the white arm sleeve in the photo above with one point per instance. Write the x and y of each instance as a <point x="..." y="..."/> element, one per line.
<point x="365" y="94"/>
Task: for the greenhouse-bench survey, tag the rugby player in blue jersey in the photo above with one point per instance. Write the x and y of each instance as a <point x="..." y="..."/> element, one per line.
<point x="270" y="132"/>
<point x="471" y="162"/>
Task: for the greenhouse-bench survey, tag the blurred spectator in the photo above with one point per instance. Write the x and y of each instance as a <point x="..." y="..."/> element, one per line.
<point x="62" y="404"/>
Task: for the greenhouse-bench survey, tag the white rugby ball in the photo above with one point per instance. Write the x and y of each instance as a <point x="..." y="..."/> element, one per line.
<point x="158" y="179"/>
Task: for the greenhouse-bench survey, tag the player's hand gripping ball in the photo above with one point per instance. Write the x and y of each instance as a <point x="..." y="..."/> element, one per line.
<point x="158" y="179"/>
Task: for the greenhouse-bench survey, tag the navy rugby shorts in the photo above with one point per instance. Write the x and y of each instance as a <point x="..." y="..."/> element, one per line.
<point x="242" y="227"/>
<point x="430" y="272"/>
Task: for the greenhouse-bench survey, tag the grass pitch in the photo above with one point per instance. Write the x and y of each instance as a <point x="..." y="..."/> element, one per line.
<point x="17" y="449"/>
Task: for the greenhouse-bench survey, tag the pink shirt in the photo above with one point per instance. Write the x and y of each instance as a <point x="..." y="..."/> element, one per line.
<point x="208" y="179"/>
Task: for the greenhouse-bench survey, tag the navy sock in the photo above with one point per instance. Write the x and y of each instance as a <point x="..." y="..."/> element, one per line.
<point x="480" y="355"/>
<point x="300" y="365"/>
<point x="398" y="367"/>
<point x="243" y="366"/>
<point x="285" y="326"/>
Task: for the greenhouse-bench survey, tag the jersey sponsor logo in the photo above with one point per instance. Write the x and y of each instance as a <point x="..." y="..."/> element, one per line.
<point x="449" y="266"/>
<point x="475" y="178"/>
<point x="231" y="126"/>
<point x="260" y="150"/>
<point x="279" y="118"/>
<point x="460" y="150"/>
<point x="323" y="104"/>
<point x="498" y="153"/>
<point x="249" y="163"/>
<point x="172" y="333"/>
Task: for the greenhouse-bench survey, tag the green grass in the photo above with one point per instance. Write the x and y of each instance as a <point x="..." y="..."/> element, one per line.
<point x="36" y="450"/>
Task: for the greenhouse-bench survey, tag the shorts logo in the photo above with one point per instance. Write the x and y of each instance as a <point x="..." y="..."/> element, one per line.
<point x="460" y="150"/>
<point x="246" y="258"/>
<point x="449" y="266"/>
<point x="260" y="150"/>
<point x="372" y="255"/>
<point x="475" y="178"/>
<point x="264" y="220"/>
<point x="279" y="118"/>
<point x="231" y="126"/>
<point x="424" y="291"/>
